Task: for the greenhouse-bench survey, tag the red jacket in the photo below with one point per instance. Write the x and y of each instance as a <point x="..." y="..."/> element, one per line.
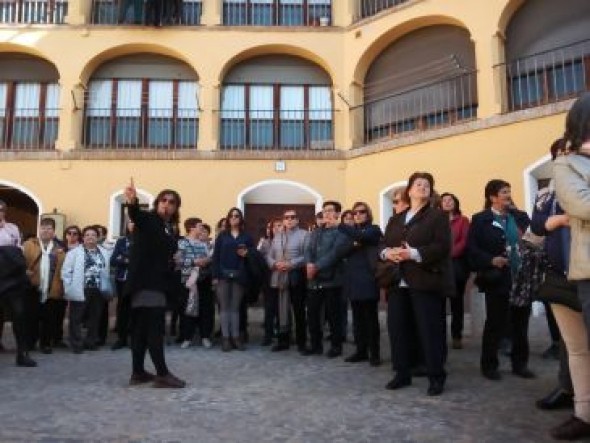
<point x="460" y="230"/>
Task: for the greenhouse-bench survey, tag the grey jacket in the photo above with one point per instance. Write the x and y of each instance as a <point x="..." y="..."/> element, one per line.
<point x="326" y="248"/>
<point x="288" y="246"/>
<point x="572" y="185"/>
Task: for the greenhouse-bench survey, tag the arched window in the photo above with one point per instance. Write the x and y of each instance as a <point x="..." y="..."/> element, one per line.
<point x="276" y="102"/>
<point x="29" y="103"/>
<point x="142" y="101"/>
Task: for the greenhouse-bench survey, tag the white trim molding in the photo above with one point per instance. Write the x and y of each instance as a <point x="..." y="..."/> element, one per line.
<point x="385" y="204"/>
<point x="29" y="193"/>
<point x="531" y="177"/>
<point x="277" y="185"/>
<point x="115" y="202"/>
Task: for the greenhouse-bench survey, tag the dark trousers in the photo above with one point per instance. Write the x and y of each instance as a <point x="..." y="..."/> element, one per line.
<point x="317" y="300"/>
<point x="103" y="325"/>
<point x="457" y="302"/>
<point x="123" y="312"/>
<point x="498" y="311"/>
<point x="61" y="307"/>
<point x="425" y="309"/>
<point x="91" y="309"/>
<point x="297" y="295"/>
<point x="148" y="330"/>
<point x="365" y="317"/>
<point x="47" y="327"/>
<point x="13" y="305"/>
<point x="552" y="324"/>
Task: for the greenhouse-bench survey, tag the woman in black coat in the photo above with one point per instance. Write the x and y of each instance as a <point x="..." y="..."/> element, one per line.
<point x="493" y="254"/>
<point x="150" y="274"/>
<point x="419" y="241"/>
<point x="359" y="284"/>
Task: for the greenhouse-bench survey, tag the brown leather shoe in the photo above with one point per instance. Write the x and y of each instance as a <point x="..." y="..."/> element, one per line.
<point x="572" y="429"/>
<point x="141" y="378"/>
<point x="168" y="381"/>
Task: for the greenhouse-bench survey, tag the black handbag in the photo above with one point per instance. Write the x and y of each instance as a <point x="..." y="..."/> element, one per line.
<point x="556" y="288"/>
<point x="387" y="273"/>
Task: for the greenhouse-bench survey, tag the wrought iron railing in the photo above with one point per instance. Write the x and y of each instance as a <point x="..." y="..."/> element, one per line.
<point x="141" y="129"/>
<point x="422" y="108"/>
<point x="368" y="8"/>
<point x="28" y="129"/>
<point x="545" y="77"/>
<point x="33" y="11"/>
<point x="136" y="12"/>
<point x="276" y="130"/>
<point x="277" y="12"/>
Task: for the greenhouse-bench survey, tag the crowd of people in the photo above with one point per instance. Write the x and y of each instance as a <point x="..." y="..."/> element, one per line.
<point x="308" y="277"/>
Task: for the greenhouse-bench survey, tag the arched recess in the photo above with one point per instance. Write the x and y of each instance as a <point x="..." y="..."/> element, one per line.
<point x="24" y="207"/>
<point x="547" y="52"/>
<point x="128" y="90"/>
<point x="29" y="101"/>
<point x="385" y="202"/>
<point x="536" y="176"/>
<point x="423" y="80"/>
<point x="263" y="50"/>
<point x="276" y="101"/>
<point x="117" y="211"/>
<point x="269" y="198"/>
<point x="388" y="38"/>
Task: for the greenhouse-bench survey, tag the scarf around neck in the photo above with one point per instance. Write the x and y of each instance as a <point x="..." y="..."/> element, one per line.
<point x="45" y="269"/>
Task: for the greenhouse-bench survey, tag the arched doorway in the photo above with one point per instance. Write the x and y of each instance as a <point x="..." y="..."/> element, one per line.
<point x="385" y="202"/>
<point x="536" y="176"/>
<point x="23" y="207"/>
<point x="270" y="198"/>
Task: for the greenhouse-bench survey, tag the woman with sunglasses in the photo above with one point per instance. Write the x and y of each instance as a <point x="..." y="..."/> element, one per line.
<point x="150" y="277"/>
<point x="359" y="285"/>
<point x="229" y="271"/>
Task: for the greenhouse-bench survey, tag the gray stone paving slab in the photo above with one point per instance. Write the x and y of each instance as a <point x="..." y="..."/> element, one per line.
<point x="258" y="396"/>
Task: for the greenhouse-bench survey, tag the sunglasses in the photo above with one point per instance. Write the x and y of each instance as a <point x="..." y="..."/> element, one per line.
<point x="289" y="217"/>
<point x="72" y="233"/>
<point x="168" y="200"/>
<point x="235" y="216"/>
<point x="395" y="202"/>
<point x="359" y="212"/>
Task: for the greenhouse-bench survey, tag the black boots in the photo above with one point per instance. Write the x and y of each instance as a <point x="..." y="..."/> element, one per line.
<point x="23" y="360"/>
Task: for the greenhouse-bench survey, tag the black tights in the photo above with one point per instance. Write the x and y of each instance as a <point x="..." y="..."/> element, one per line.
<point x="148" y="335"/>
<point x="14" y="303"/>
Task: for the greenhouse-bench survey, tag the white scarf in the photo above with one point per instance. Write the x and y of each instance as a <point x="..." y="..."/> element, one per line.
<point x="44" y="270"/>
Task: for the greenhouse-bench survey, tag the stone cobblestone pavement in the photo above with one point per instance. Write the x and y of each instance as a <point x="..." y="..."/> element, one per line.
<point x="258" y="396"/>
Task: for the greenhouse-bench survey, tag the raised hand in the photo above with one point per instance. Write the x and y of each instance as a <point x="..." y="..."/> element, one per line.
<point x="130" y="192"/>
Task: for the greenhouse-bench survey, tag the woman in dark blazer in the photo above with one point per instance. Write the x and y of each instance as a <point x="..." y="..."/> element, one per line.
<point x="359" y="285"/>
<point x="493" y="254"/>
<point x="419" y="240"/>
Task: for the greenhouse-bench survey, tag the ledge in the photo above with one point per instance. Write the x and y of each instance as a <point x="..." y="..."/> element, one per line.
<point x="462" y="128"/>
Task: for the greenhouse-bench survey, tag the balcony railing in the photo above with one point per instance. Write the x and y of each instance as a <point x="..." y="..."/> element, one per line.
<point x="276" y="130"/>
<point x="175" y="12"/>
<point x="129" y="129"/>
<point x="277" y="12"/>
<point x="547" y="77"/>
<point x="368" y="8"/>
<point x="33" y="11"/>
<point x="28" y="129"/>
<point x="430" y="106"/>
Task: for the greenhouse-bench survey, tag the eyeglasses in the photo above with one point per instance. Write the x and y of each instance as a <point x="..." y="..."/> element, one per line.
<point x="289" y="217"/>
<point x="236" y="215"/>
<point x="359" y="212"/>
<point x="168" y="200"/>
<point x="72" y="233"/>
<point x="396" y="201"/>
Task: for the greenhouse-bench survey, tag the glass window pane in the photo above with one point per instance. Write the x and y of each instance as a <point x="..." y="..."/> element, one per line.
<point x="100" y="96"/>
<point x="98" y="131"/>
<point x="320" y="103"/>
<point x="292" y="135"/>
<point x="160" y="133"/>
<point x="233" y="104"/>
<point x="160" y="99"/>
<point x="129" y="98"/>
<point x="187" y="133"/>
<point x="233" y="133"/>
<point x="292" y="102"/>
<point x="27" y="98"/>
<point x="128" y="132"/>
<point x="188" y="99"/>
<point x="52" y="100"/>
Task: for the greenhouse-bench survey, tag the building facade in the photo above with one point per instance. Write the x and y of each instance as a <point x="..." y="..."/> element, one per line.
<point x="260" y="103"/>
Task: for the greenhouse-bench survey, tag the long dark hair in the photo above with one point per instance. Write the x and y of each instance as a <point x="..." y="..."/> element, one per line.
<point x="175" y="219"/>
<point x="367" y="207"/>
<point x="227" y="225"/>
<point x="457" y="210"/>
<point x="577" y="124"/>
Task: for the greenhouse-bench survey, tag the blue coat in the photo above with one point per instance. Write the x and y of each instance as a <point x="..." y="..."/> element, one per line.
<point x="359" y="282"/>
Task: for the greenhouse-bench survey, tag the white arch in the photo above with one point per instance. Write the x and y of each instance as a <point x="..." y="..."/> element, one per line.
<point x="276" y="184"/>
<point x="538" y="170"/>
<point x="385" y="204"/>
<point x="115" y="202"/>
<point x="29" y="193"/>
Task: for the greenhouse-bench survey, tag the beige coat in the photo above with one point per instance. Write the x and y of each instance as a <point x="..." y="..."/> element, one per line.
<point x="572" y="185"/>
<point x="32" y="252"/>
